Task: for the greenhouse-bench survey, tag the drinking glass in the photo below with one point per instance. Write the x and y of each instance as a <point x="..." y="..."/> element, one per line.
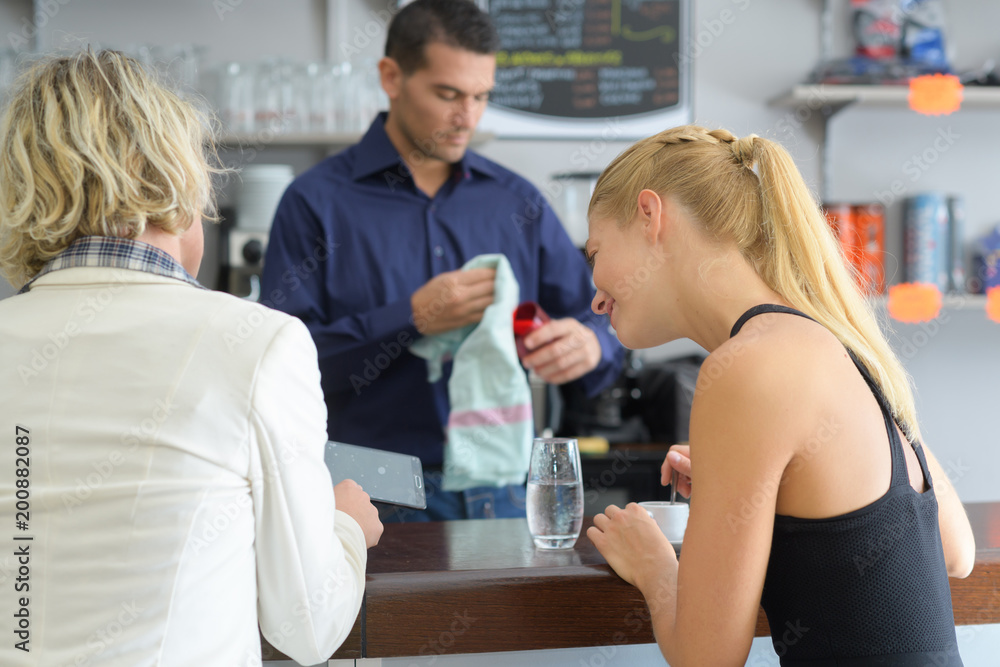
<point x="236" y="97"/>
<point x="528" y="317"/>
<point x="293" y="116"/>
<point x="182" y="63"/>
<point x="318" y="89"/>
<point x="555" y="493"/>
<point x="267" y="96"/>
<point x="349" y="110"/>
<point x="371" y="97"/>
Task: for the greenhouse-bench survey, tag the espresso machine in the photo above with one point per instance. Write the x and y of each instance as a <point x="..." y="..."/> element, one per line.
<point x="241" y="257"/>
<point x="245" y="227"/>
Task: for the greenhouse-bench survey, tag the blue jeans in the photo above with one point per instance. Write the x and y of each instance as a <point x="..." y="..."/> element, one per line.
<point x="481" y="502"/>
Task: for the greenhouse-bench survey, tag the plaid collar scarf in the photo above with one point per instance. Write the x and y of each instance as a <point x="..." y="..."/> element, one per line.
<point x="115" y="253"/>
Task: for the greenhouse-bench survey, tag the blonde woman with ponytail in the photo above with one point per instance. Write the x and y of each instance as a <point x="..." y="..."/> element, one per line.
<point x="811" y="492"/>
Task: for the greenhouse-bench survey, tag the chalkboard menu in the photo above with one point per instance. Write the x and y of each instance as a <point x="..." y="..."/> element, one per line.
<point x="564" y="64"/>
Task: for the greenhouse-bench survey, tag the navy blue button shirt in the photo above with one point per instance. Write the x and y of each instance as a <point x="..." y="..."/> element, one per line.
<point x="354" y="238"/>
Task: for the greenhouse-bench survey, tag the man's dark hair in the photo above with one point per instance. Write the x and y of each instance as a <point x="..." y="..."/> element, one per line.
<point x="457" y="23"/>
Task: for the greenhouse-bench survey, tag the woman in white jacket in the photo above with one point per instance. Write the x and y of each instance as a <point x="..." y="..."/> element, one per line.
<point x="163" y="443"/>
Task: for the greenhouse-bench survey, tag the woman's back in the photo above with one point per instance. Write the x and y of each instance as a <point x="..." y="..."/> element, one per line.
<point x="167" y="499"/>
<point x="867" y="585"/>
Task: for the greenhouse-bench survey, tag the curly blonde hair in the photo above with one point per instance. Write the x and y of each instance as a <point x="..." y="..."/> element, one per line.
<point x="92" y="145"/>
<point x="749" y="191"/>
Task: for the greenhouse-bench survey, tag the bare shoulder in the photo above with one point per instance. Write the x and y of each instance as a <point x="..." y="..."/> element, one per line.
<point x="766" y="378"/>
<point x="771" y="347"/>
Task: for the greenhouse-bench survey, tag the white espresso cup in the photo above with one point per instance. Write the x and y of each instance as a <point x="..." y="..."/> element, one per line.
<point x="671" y="518"/>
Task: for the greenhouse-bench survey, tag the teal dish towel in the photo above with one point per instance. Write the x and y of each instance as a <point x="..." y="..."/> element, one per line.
<point x="490" y="427"/>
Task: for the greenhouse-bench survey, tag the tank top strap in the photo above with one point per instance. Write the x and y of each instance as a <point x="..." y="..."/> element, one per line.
<point x="919" y="451"/>
<point x="899" y="475"/>
<point x="760" y="310"/>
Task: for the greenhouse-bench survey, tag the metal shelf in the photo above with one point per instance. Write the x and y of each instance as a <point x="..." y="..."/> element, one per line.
<point x="311" y="139"/>
<point x="838" y="96"/>
<point x="949" y="302"/>
<point x="964" y="302"/>
<point x="267" y="138"/>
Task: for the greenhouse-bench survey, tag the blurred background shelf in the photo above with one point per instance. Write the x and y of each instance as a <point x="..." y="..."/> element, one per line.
<point x="964" y="301"/>
<point x="950" y="301"/>
<point x="836" y="96"/>
<point x="310" y="139"/>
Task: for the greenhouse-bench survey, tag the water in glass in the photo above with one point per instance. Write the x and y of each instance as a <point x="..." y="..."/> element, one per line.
<point x="554" y="493"/>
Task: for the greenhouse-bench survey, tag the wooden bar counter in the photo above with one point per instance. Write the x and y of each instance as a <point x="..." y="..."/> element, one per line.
<point x="481" y="586"/>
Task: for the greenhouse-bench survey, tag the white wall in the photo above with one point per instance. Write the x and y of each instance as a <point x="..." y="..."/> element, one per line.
<point x="745" y="58"/>
<point x="11" y="12"/>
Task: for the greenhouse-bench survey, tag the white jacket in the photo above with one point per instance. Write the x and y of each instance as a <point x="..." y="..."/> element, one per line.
<point x="176" y="487"/>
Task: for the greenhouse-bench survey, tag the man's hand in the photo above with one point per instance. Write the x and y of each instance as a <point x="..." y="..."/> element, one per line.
<point x="452" y="300"/>
<point x="353" y="501"/>
<point x="562" y="350"/>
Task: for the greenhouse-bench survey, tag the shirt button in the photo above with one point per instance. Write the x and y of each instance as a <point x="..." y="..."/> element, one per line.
<point x="438" y="251"/>
<point x="433" y="208"/>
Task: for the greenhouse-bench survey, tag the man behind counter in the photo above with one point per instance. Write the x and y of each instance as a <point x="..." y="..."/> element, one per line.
<point x="366" y="249"/>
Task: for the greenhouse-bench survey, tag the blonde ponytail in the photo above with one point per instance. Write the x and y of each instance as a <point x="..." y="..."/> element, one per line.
<point x="750" y="192"/>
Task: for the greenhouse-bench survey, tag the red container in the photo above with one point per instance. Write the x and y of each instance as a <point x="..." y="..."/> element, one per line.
<point x="841" y="219"/>
<point x="528" y="317"/>
<point x="869" y="224"/>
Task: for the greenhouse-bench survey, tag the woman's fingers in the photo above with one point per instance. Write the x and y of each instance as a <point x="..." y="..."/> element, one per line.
<point x="679" y="459"/>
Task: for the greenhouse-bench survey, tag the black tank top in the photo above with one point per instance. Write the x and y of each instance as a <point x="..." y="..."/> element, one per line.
<point x="867" y="588"/>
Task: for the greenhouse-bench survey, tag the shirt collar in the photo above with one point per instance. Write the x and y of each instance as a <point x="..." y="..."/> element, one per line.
<point x="115" y="253"/>
<point x="376" y="153"/>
